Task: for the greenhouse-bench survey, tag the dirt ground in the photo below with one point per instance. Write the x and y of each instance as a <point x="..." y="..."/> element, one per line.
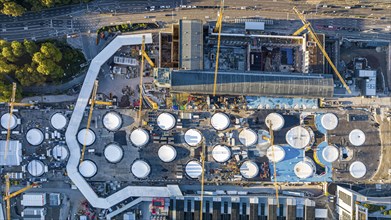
<point x="383" y="173"/>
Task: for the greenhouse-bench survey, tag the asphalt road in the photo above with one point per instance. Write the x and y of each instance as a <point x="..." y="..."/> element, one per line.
<point x="59" y="21"/>
<point x="81" y="18"/>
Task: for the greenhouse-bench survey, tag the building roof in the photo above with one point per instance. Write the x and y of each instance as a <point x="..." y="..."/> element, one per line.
<point x="14" y="154"/>
<point x="253" y="83"/>
<point x="190" y="44"/>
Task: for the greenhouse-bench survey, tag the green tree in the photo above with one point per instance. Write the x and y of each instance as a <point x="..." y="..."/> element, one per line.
<point x="6" y="67"/>
<point x="50" y="68"/>
<point x="29" y="75"/>
<point x="18" y="49"/>
<point x="38" y="57"/>
<point x="4" y="43"/>
<point x="47" y="3"/>
<point x="5" y="91"/>
<point x="8" y="54"/>
<point x="50" y="51"/>
<point x="13" y="9"/>
<point x="35" y="5"/>
<point x="31" y="46"/>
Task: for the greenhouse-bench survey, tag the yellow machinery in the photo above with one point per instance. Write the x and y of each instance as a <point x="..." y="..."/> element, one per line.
<point x="218" y="29"/>
<point x="7" y="193"/>
<point x="8" y="196"/>
<point x="202" y="177"/>
<point x="271" y="140"/>
<point x="307" y="25"/>
<point x="92" y="104"/>
<point x="12" y="104"/>
<point x="144" y="55"/>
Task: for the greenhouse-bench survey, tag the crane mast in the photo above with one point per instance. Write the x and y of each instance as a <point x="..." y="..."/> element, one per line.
<point x="12" y="103"/>
<point x="144" y="56"/>
<point x="218" y="29"/>
<point x="93" y="101"/>
<point x="8" y="196"/>
<point x="271" y="140"/>
<point x="307" y="25"/>
<point x="202" y="176"/>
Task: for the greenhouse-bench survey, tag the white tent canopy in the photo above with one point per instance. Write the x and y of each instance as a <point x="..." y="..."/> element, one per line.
<point x="220" y="121"/>
<point x="357" y="169"/>
<point x="141" y="169"/>
<point x="58" y="121"/>
<point x="248" y="137"/>
<point x="167" y="153"/>
<point x="357" y="137"/>
<point x="166" y="121"/>
<point x="112" y="121"/>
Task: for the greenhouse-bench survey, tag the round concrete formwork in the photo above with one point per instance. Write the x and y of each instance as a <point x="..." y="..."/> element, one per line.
<point x="193" y="137"/>
<point x="141" y="169"/>
<point x="220" y="121"/>
<point x="139" y="137"/>
<point x="248" y="137"/>
<point x="112" y="121"/>
<point x="86" y="137"/>
<point x="249" y="169"/>
<point x="113" y="153"/>
<point x="34" y="136"/>
<point x="276" y="120"/>
<point x="58" y="121"/>
<point x="5" y="121"/>
<point x="36" y="168"/>
<point x="221" y="153"/>
<point x="166" y="121"/>
<point x="167" y="153"/>
<point x="88" y="168"/>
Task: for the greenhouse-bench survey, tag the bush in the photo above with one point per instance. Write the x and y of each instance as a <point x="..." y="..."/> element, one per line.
<point x="387" y="212"/>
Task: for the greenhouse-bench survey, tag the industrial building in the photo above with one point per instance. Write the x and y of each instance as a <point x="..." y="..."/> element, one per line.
<point x="34" y="199"/>
<point x="249" y="63"/>
<point x="253" y="84"/>
<point x="244" y="207"/>
<point x="191" y="44"/>
<point x="352" y="204"/>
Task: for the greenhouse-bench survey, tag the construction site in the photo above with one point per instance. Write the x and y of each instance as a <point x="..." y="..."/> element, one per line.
<point x="183" y="116"/>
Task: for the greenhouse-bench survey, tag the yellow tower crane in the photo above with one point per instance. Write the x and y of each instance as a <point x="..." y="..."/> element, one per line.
<point x="7" y="193"/>
<point x="145" y="56"/>
<point x="8" y="196"/>
<point x="307" y="25"/>
<point x="92" y="104"/>
<point x="218" y="30"/>
<point x="271" y="140"/>
<point x="12" y="103"/>
<point x="202" y="176"/>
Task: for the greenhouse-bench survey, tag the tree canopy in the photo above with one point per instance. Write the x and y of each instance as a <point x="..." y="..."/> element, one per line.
<point x="19" y="7"/>
<point x="12" y="8"/>
<point x="33" y="63"/>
